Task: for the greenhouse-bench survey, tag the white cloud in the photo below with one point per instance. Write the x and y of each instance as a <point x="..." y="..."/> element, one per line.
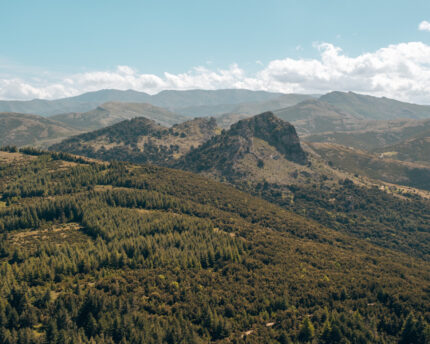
<point x="400" y="71"/>
<point x="424" y="26"/>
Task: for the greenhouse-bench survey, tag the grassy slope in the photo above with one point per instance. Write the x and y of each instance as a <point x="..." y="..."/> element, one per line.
<point x="376" y="134"/>
<point x="316" y="116"/>
<point x="375" y="166"/>
<point x="414" y="149"/>
<point x="22" y="130"/>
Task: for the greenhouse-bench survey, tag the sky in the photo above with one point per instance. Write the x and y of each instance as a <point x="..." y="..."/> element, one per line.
<point x="52" y="49"/>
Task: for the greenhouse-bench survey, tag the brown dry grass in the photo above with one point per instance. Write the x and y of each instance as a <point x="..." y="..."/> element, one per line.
<point x="6" y="157"/>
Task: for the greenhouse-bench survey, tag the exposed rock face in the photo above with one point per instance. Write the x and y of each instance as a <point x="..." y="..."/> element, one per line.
<point x="278" y="133"/>
<point x="222" y="151"/>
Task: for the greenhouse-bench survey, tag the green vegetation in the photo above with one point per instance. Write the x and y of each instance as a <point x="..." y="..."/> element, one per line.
<point x="399" y="222"/>
<point x="119" y="253"/>
<point x="383" y="167"/>
<point x="141" y="140"/>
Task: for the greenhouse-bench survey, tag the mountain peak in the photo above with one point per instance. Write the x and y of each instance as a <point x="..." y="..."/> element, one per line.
<point x="223" y="153"/>
<point x="278" y="133"/>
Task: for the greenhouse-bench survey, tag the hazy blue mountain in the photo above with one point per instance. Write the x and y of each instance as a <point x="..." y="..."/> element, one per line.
<point x="115" y="112"/>
<point x="335" y="111"/>
<point x="245" y="110"/>
<point x="316" y="116"/>
<point x="194" y="98"/>
<point x="339" y="112"/>
<point x="172" y="100"/>
<point x="368" y="107"/>
<point x="82" y="103"/>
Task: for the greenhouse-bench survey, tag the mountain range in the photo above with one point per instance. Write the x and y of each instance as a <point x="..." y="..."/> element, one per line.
<point x="182" y="102"/>
<point x="113" y="112"/>
<point x="203" y="148"/>
<point x="263" y="156"/>
<point x="347" y="119"/>
<point x="368" y="107"/>
<point x="161" y="228"/>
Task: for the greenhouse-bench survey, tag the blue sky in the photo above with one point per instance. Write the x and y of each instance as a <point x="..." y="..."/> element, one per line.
<point x="50" y="43"/>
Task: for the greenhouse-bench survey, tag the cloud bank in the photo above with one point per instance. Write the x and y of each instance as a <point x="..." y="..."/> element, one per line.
<point x="424" y="26"/>
<point x="400" y="71"/>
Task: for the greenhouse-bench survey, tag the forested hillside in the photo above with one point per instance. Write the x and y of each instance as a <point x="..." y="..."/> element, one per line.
<point x="263" y="156"/>
<point x="318" y="185"/>
<point x="121" y="253"/>
<point x="141" y="140"/>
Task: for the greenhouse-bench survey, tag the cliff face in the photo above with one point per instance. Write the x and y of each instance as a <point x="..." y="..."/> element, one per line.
<point x="222" y="152"/>
<point x="276" y="132"/>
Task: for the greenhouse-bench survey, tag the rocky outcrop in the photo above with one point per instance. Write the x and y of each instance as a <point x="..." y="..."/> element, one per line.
<point x="278" y="133"/>
<point x="222" y="151"/>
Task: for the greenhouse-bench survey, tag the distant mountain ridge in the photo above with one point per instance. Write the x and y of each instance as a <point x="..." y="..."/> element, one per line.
<point x="113" y="112"/>
<point x="82" y="103"/>
<point x="18" y="129"/>
<point x="375" y="108"/>
<point x="332" y="112"/>
<point x="198" y="103"/>
<point x="194" y="145"/>
<point x="312" y="116"/>
<point x="169" y="99"/>
<point x="244" y="109"/>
